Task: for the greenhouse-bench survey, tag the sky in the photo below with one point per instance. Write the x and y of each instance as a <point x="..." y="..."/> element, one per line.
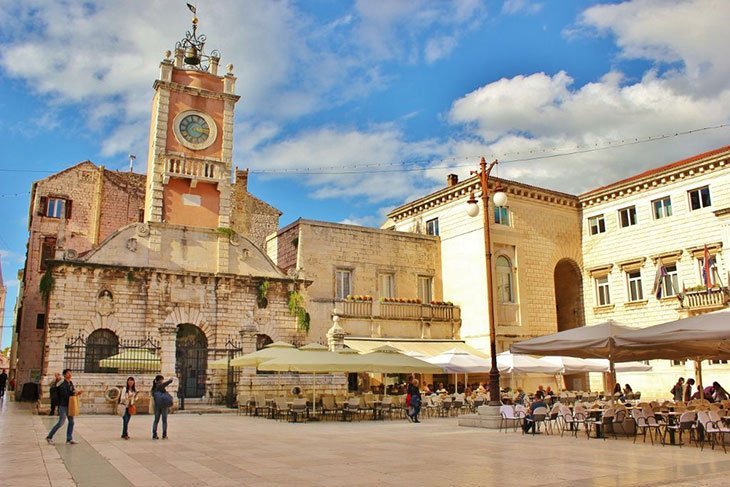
<point x="351" y="108"/>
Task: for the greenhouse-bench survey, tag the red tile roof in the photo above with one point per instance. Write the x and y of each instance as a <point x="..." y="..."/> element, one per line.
<point x="660" y="169"/>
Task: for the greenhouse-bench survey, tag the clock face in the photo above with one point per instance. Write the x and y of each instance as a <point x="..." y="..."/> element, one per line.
<point x="194" y="129"/>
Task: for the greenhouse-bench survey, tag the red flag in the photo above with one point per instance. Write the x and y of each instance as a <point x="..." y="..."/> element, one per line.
<point x="706" y="269"/>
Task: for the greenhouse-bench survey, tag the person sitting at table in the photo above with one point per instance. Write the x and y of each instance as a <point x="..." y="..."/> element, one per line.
<point x="617" y="390"/>
<point x="719" y="394"/>
<point x="538" y="402"/>
<point x="627" y="389"/>
<point x="441" y="390"/>
<point x="549" y="391"/>
<point x="468" y="392"/>
<point x="541" y="390"/>
<point x="520" y="396"/>
<point x="481" y="389"/>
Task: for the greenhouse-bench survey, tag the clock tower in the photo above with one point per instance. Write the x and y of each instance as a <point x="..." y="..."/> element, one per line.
<point x="191" y="138"/>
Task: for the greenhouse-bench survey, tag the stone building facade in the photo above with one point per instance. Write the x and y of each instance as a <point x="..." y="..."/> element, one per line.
<point x="178" y="282"/>
<point x="73" y="210"/>
<point x="662" y="218"/>
<point x="379" y="269"/>
<point x="536" y="258"/>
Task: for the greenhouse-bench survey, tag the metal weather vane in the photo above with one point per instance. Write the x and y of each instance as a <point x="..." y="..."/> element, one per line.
<point x="193" y="46"/>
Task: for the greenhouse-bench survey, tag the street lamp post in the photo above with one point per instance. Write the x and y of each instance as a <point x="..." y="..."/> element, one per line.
<point x="500" y="199"/>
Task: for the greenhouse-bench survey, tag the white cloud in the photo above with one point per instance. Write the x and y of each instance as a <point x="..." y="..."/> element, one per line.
<point x="685" y="88"/>
<point x="514" y="7"/>
<point x="439" y="47"/>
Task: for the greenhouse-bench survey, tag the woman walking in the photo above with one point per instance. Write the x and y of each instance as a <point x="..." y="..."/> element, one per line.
<point x="127" y="399"/>
<point x="415" y="393"/>
<point x="163" y="401"/>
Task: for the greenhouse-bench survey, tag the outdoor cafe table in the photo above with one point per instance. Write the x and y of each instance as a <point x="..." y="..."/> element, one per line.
<point x="597" y="415"/>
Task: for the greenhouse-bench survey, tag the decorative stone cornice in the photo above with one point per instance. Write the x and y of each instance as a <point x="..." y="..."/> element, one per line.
<point x="631" y="264"/>
<point x="463" y="189"/>
<point x="601" y="270"/>
<point x="172" y="86"/>
<point x="699" y="250"/>
<point x="667" y="257"/>
<point x="678" y="171"/>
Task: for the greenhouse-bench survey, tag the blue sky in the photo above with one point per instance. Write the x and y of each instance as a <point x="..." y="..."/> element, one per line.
<point x="343" y="84"/>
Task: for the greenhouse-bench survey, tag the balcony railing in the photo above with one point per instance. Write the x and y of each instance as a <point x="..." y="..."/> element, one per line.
<point x="399" y="311"/>
<point x="715" y="298"/>
<point x="194" y="168"/>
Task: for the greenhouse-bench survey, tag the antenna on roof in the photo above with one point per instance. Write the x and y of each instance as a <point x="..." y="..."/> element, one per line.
<point x="132" y="157"/>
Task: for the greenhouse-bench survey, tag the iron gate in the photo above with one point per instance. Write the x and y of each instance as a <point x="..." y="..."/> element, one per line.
<point x="231" y="350"/>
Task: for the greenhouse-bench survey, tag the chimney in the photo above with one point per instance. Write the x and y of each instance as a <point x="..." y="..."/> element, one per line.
<point x="452" y="180"/>
<point x="241" y="180"/>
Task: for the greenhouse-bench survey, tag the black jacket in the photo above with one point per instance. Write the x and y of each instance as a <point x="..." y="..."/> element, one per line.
<point x="65" y="391"/>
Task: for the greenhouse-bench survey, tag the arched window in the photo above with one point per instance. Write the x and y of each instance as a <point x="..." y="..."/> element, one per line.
<point x="262" y="341"/>
<point x="100" y="344"/>
<point x="505" y="280"/>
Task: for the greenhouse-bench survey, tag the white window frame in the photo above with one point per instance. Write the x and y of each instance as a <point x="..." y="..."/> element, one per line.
<point x="55" y="207"/>
<point x="501" y="215"/>
<point x="425" y="289"/>
<point x="699" y="198"/>
<point x="386" y="284"/>
<point x="343" y="287"/>
<point x="670" y="281"/>
<point x="597" y="221"/>
<point x="631" y="219"/>
<point x="661" y="207"/>
<point x="432" y="226"/>
<point x="634" y="286"/>
<point x="603" y="290"/>
<point x="505" y="281"/>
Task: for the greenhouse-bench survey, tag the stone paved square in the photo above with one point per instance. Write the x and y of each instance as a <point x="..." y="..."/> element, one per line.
<point x="229" y="450"/>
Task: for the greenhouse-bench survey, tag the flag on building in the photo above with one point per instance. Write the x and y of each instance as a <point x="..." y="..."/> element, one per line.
<point x="661" y="272"/>
<point x="707" y="270"/>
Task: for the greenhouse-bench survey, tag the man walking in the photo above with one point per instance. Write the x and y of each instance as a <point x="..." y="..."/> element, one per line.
<point x="65" y="391"/>
<point x="3" y="383"/>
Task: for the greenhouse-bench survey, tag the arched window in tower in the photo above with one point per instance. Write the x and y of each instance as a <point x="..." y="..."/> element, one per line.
<point x="100" y="344"/>
<point x="505" y="280"/>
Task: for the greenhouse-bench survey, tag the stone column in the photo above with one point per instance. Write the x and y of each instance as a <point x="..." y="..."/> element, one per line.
<point x="54" y="361"/>
<point x="336" y="335"/>
<point x="168" y="335"/>
<point x="248" y="345"/>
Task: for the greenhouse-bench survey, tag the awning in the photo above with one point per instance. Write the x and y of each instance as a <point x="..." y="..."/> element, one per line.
<point x="415" y="347"/>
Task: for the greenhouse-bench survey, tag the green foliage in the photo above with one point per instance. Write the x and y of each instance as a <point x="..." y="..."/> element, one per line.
<point x="130" y="277"/>
<point x="227" y="232"/>
<point x="46" y="285"/>
<point x="296" y="308"/>
<point x="263" y="289"/>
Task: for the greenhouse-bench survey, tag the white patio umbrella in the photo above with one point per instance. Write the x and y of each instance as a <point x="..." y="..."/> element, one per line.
<point x="457" y="361"/>
<point x="510" y="363"/>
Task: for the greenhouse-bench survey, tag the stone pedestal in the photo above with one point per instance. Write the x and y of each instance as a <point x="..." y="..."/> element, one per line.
<point x="335" y="335"/>
<point x="487" y="417"/>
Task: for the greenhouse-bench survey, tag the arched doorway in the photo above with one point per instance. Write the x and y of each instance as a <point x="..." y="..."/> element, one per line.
<point x="191" y="353"/>
<point x="569" y="309"/>
<point x="568" y="295"/>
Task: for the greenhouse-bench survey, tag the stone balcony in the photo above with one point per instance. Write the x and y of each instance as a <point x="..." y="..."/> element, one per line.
<point x="195" y="169"/>
<point x="391" y="320"/>
<point x="696" y="302"/>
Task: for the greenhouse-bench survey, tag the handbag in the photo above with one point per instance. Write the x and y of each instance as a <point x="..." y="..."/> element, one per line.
<point x="132" y="410"/>
<point x="73" y="406"/>
<point x="121" y="409"/>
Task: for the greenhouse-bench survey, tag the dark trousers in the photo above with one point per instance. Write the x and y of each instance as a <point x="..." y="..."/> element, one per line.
<point x="54" y="405"/>
<point x="160" y="412"/>
<point x="125" y="422"/>
<point x="2" y="390"/>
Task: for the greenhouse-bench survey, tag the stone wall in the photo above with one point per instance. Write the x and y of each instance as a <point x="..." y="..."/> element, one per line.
<point x="101" y="202"/>
<point x="251" y="217"/>
<point x="544" y="228"/>
<point x="680" y="238"/>
<point x="317" y="249"/>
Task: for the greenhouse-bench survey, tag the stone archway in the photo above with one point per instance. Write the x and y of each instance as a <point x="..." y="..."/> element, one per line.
<point x="569" y="309"/>
<point x="191" y="360"/>
<point x="568" y="295"/>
